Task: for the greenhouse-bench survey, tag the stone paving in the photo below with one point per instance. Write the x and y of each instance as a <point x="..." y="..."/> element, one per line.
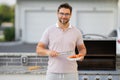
<point x="19" y="47"/>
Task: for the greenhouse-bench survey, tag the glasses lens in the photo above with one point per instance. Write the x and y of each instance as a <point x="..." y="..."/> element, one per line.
<point x="64" y="14"/>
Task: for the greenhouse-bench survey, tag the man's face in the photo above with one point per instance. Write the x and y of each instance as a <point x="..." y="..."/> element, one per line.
<point x="64" y="15"/>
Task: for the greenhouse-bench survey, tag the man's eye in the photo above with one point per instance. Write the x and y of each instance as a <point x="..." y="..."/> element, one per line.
<point x="66" y="14"/>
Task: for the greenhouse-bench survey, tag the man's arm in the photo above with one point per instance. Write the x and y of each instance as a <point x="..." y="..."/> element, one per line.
<point x="41" y="50"/>
<point x="82" y="50"/>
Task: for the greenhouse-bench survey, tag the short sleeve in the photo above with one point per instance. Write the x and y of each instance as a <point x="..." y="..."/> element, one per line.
<point x="45" y="37"/>
<point x="79" y="38"/>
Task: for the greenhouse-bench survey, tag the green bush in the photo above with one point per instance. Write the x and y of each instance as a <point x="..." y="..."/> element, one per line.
<point x="9" y="34"/>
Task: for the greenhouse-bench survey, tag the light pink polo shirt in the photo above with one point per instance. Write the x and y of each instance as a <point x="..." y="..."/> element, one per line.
<point x="62" y="41"/>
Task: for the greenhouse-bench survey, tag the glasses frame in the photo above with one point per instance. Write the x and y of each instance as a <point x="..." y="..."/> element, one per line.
<point x="64" y="14"/>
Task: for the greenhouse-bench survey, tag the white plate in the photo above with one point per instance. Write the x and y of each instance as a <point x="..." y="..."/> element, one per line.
<point x="73" y="59"/>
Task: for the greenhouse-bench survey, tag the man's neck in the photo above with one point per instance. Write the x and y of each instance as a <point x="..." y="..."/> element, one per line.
<point x="63" y="26"/>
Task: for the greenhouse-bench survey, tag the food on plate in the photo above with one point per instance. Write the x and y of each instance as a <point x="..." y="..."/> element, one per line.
<point x="75" y="56"/>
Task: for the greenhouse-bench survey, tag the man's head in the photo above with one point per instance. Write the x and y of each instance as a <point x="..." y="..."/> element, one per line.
<point x="65" y="5"/>
<point x="64" y="13"/>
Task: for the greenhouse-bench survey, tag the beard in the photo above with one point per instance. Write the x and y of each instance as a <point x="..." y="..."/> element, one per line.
<point x="63" y="21"/>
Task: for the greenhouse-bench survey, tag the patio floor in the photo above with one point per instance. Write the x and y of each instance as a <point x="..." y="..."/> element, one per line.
<point x="13" y="47"/>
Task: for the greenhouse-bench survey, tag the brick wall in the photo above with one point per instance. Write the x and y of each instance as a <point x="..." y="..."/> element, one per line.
<point x="16" y="60"/>
<point x="32" y="60"/>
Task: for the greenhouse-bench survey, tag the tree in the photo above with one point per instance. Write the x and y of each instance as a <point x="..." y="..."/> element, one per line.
<point x="6" y="13"/>
<point x="12" y="13"/>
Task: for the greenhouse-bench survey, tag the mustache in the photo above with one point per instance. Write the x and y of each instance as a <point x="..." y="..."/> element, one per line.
<point x="63" y="22"/>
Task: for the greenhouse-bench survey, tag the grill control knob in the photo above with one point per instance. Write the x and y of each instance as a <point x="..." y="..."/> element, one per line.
<point x="85" y="78"/>
<point x="109" y="78"/>
<point x="97" y="78"/>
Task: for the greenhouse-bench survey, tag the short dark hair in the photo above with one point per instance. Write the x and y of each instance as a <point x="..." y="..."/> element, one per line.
<point x="65" y="5"/>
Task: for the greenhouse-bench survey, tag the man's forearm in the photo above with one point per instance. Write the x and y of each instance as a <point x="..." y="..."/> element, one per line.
<point x="82" y="52"/>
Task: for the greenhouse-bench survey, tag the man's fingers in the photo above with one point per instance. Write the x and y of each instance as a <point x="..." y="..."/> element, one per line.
<point x="53" y="53"/>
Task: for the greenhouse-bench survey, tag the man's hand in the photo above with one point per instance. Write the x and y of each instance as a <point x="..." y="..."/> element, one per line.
<point x="52" y="53"/>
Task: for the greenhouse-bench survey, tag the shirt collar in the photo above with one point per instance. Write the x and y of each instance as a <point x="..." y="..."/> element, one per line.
<point x="70" y="26"/>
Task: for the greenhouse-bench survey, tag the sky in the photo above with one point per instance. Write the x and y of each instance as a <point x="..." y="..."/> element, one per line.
<point x="9" y="2"/>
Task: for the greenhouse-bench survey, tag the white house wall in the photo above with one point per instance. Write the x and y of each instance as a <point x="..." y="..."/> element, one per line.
<point x="34" y="28"/>
<point x="34" y="16"/>
<point x="98" y="22"/>
<point x="119" y="13"/>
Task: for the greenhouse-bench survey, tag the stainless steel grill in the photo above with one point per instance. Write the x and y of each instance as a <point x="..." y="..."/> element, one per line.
<point x="99" y="75"/>
<point x="101" y="55"/>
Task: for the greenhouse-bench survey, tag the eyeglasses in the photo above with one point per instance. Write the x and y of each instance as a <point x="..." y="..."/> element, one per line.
<point x="64" y="14"/>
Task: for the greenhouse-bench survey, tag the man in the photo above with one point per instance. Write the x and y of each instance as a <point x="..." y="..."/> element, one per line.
<point x="59" y="42"/>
